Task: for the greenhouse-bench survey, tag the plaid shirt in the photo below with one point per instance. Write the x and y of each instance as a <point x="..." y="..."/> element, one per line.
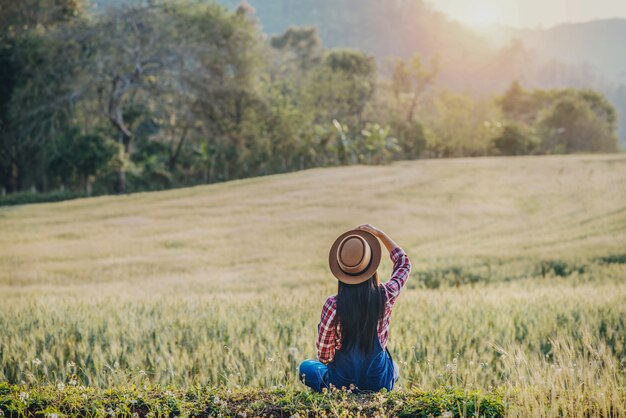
<point x="329" y="329"/>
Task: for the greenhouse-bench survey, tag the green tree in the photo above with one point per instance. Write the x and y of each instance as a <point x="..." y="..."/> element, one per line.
<point x="21" y="17"/>
<point x="341" y="87"/>
<point x="517" y="104"/>
<point x="186" y="65"/>
<point x="412" y="139"/>
<point x="572" y="124"/>
<point x="515" y="139"/>
<point x="565" y="121"/>
<point x="411" y="80"/>
<point x="457" y="125"/>
<point x="377" y="146"/>
<point x="80" y="156"/>
<point x="299" y="49"/>
<point x="33" y="102"/>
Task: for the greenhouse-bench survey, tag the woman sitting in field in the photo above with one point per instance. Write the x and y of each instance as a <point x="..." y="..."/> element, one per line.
<point x="353" y="330"/>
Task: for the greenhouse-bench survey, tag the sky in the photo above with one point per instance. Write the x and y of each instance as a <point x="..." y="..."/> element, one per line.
<point x="529" y="13"/>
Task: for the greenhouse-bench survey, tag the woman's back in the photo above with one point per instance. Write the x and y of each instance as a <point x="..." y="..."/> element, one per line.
<point x="330" y="334"/>
<point x="367" y="371"/>
<point x="354" y="325"/>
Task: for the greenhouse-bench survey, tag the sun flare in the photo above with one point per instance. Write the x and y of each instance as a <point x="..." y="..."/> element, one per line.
<point x="483" y="16"/>
<point x="478" y="13"/>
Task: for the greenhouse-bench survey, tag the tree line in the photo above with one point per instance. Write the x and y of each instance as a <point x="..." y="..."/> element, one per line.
<point x="170" y="94"/>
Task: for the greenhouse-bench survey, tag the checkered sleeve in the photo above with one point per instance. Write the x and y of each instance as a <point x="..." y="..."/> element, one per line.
<point x="327" y="336"/>
<point x="401" y="270"/>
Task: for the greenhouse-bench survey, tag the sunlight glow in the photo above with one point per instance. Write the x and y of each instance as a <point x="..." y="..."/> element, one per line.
<point x="483" y="16"/>
<point x="477" y="13"/>
<point x="529" y="13"/>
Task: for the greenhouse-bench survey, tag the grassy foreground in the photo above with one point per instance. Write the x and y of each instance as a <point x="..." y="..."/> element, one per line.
<point x="518" y="286"/>
<point x="200" y="401"/>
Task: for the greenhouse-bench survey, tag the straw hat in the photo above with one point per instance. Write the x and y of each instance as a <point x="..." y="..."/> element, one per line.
<point x="354" y="256"/>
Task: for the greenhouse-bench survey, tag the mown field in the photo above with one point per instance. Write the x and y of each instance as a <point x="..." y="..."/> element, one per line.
<point x="518" y="285"/>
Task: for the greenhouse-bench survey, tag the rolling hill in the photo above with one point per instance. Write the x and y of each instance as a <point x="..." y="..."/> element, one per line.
<point x="505" y="213"/>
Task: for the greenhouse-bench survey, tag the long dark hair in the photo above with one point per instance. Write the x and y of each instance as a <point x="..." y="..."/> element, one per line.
<point x="359" y="307"/>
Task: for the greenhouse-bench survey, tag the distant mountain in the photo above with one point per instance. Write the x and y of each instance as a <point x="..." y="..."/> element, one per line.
<point x="598" y="44"/>
<point x="382" y="28"/>
<point x="395" y="28"/>
<point x="404" y="27"/>
<point x="390" y="28"/>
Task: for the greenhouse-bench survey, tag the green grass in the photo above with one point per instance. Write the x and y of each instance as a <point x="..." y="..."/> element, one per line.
<point x="517" y="286"/>
<point x="145" y="400"/>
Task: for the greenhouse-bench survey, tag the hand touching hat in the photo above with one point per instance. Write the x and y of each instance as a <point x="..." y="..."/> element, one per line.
<point x="355" y="255"/>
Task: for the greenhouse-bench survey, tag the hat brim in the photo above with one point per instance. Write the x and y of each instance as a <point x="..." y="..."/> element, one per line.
<point x="347" y="278"/>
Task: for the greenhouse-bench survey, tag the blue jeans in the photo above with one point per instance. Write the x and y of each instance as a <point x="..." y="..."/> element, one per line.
<point x="314" y="374"/>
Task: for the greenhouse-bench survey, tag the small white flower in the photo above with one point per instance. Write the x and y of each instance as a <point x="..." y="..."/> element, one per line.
<point x="24" y="396"/>
<point x="60" y="385"/>
<point x="51" y="415"/>
<point x="73" y="381"/>
<point x="447" y="414"/>
<point x="37" y="362"/>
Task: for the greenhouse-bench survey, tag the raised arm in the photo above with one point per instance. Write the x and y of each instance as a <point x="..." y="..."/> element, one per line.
<point x="401" y="263"/>
<point x="384" y="238"/>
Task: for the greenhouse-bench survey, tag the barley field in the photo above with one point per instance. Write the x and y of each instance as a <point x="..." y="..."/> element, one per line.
<point x="518" y="284"/>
